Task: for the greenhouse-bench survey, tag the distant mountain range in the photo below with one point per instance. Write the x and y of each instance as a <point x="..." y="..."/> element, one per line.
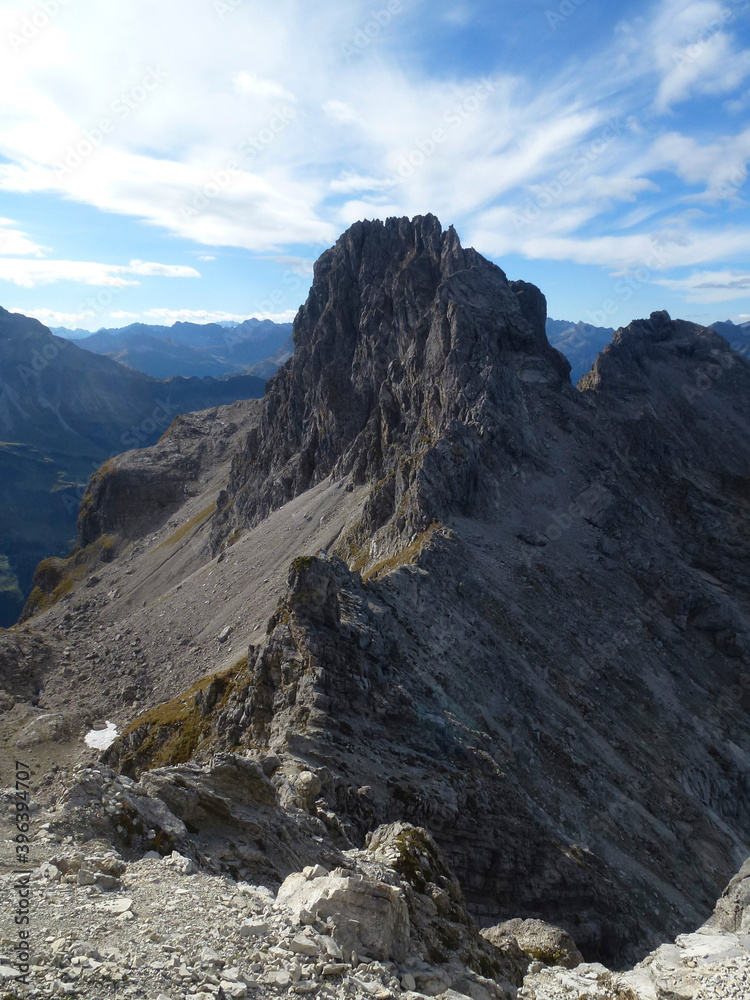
<point x="191" y="348"/>
<point x="64" y="411"/>
<point x="738" y="335"/>
<point x="579" y="342"/>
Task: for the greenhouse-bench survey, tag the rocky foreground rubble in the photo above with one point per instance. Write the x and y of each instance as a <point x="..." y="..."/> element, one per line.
<point x="711" y="964"/>
<point x="385" y="921"/>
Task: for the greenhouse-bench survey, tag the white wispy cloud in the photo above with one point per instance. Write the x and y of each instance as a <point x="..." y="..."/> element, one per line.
<point x="13" y="242"/>
<point x="247" y="175"/>
<point x="711" y="286"/>
<point x="351" y="183"/>
<point x="737" y="105"/>
<point x="51" y="317"/>
<point x="660" y="250"/>
<point x="33" y="273"/>
<point x="252" y="85"/>
<point x="694" y="50"/>
<point x="212" y="206"/>
<point x="719" y="166"/>
<point x="341" y="112"/>
<point x="279" y="154"/>
<point x="152" y="269"/>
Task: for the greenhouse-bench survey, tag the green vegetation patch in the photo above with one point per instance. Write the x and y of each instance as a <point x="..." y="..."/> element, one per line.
<point x="411" y="845"/>
<point x="302" y="563"/>
<point x="188" y="526"/>
<point x="408" y="556"/>
<point x="88" y="503"/>
<point x="173" y="732"/>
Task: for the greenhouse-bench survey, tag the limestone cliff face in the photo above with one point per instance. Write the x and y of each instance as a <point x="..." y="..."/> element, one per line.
<point x="560" y="596"/>
<point x="134" y="493"/>
<point x="410" y="353"/>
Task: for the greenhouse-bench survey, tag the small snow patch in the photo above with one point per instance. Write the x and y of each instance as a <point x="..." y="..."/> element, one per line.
<point x="101" y="739"/>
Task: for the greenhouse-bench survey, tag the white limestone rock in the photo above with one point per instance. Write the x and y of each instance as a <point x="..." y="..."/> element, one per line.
<point x="368" y="916"/>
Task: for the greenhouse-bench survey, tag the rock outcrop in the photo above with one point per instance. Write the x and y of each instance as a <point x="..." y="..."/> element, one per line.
<point x="369" y="917"/>
<point x="385" y="921"/>
<point x="133" y="494"/>
<point x="411" y="354"/>
<point x="732" y="912"/>
<point x="713" y="963"/>
<point x="541" y="942"/>
<point x="392" y="912"/>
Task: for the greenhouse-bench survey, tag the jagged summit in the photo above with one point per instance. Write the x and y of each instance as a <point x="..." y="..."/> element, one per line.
<point x="677" y="347"/>
<point x="408" y="346"/>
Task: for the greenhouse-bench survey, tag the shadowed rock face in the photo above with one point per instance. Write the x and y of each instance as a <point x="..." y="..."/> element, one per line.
<point x="134" y="493"/>
<point x="529" y="634"/>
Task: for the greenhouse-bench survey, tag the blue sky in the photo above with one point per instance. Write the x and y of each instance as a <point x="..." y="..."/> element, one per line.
<point x="189" y="159"/>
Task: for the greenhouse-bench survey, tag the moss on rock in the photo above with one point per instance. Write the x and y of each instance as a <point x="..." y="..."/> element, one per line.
<point x="173" y="732"/>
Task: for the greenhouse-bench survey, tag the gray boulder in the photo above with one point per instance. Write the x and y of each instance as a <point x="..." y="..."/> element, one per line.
<point x="541" y="941"/>
<point x="369" y="917"/>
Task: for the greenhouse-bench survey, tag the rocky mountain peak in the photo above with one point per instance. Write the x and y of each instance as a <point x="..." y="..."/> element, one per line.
<point x="16" y="330"/>
<point x="408" y="344"/>
<point x="514" y="614"/>
<point x="663" y="356"/>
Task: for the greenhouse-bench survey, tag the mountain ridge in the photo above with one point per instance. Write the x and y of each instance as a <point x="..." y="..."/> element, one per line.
<point x="579" y="341"/>
<point x="63" y="411"/>
<point x="434" y="583"/>
<point x="192" y="349"/>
